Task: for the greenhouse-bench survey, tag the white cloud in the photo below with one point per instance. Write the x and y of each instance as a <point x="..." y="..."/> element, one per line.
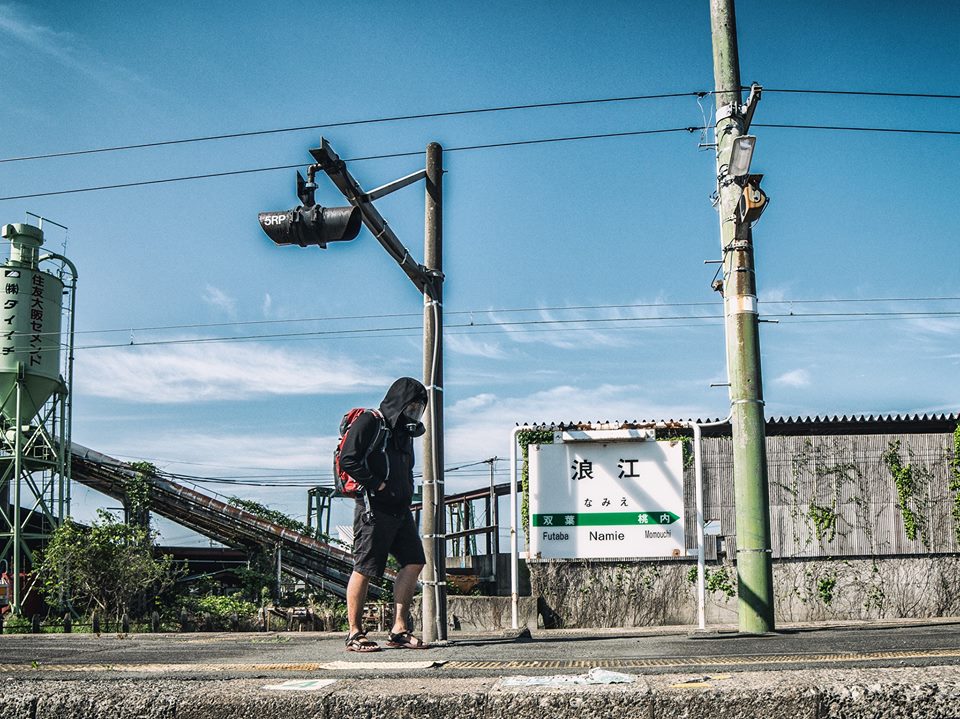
<point x="217" y="298"/>
<point x="935" y="327"/>
<point x="794" y="378"/>
<point x="267" y="304"/>
<point x="172" y="374"/>
<point x="63" y="48"/>
<point x="561" y="330"/>
<point x="774" y="295"/>
<point x="466" y="345"/>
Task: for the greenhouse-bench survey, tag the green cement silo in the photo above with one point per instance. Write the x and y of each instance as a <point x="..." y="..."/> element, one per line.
<point x="30" y="313"/>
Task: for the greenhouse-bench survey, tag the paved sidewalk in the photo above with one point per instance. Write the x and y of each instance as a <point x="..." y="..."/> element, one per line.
<point x="909" y="669"/>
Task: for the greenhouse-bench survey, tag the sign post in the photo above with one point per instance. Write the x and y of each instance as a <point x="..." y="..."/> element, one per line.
<point x="606" y="494"/>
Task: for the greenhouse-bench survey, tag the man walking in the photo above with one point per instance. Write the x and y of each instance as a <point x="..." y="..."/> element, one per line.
<point x="378" y="453"/>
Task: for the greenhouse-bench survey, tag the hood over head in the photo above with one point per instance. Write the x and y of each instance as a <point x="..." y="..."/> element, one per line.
<point x="401" y="393"/>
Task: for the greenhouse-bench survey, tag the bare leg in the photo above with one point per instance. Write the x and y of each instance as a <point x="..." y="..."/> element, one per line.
<point x="356" y="596"/>
<point x="403" y="588"/>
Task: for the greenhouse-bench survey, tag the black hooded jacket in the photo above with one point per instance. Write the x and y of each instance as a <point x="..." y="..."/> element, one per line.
<point x="370" y="460"/>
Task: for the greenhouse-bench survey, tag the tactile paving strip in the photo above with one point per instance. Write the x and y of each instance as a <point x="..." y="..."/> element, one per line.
<point x="639" y="663"/>
<point x="711" y="661"/>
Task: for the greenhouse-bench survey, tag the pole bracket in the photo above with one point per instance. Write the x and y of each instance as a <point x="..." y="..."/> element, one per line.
<point x="755" y="92"/>
<point x="731" y="109"/>
<point x="390" y="187"/>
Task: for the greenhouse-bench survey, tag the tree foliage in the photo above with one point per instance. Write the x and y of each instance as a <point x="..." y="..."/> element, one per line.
<point x="108" y="566"/>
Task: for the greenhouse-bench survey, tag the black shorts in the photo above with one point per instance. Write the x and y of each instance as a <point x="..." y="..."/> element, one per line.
<point x="388" y="534"/>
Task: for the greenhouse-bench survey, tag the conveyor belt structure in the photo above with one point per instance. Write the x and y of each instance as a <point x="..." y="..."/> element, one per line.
<point x="310" y="560"/>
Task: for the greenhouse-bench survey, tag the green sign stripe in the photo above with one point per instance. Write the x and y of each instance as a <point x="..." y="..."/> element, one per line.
<point x="604" y="519"/>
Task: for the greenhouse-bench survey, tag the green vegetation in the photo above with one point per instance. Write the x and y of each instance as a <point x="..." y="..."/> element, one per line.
<point x="715" y="580"/>
<point x="826" y="586"/>
<point x="955" y="483"/>
<point x="108" y="567"/>
<point x="223" y="611"/>
<point x="280" y="519"/>
<point x="908" y="481"/>
<point x="685" y="440"/>
<point x="526" y="438"/>
<point x="826" y="493"/>
<point x="824" y="522"/>
<point x="16" y="624"/>
<point x="271" y="515"/>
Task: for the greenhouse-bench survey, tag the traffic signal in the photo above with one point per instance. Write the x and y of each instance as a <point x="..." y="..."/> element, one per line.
<point x="311" y="225"/>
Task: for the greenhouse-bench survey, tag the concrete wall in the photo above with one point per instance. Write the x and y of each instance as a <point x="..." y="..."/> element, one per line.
<point x="598" y="594"/>
<point x="474" y="614"/>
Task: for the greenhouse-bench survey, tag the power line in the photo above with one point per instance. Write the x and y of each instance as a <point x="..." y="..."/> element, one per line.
<point x="229" y="173"/>
<point x="472" y="327"/>
<point x="349" y="123"/>
<point x="465" y="148"/>
<point x="863" y="93"/>
<point x="843" y="128"/>
<point x="517" y="324"/>
<point x="451" y="113"/>
<point x="296" y="479"/>
<point x="510" y="310"/>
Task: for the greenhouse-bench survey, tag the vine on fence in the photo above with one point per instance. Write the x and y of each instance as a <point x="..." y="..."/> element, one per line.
<point x="715" y="580"/>
<point x="955" y="483"/>
<point x="672" y="435"/>
<point x="907" y="480"/>
<point x="812" y="474"/>
<point x="825" y="587"/>
<point x="526" y="438"/>
<point x="824" y="521"/>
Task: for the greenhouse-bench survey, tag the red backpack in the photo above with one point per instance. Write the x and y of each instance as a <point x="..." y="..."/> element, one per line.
<point x="345" y="484"/>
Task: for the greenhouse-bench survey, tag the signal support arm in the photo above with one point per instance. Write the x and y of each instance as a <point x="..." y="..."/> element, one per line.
<point x="336" y="169"/>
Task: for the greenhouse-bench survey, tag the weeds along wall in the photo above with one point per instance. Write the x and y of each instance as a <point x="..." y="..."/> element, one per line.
<point x="865" y="523"/>
<point x="635" y="594"/>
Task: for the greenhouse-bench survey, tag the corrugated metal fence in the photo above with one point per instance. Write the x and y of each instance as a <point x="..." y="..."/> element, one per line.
<point x="834" y="495"/>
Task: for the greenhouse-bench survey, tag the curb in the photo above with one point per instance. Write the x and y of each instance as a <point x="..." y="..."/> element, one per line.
<point x="931" y="692"/>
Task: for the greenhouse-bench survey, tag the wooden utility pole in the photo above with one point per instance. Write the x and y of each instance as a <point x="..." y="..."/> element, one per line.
<point x="754" y="564"/>
<point x="434" y="517"/>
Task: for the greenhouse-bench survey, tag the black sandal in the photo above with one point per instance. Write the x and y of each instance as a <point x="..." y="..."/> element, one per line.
<point x="405" y="640"/>
<point x="359" y="643"/>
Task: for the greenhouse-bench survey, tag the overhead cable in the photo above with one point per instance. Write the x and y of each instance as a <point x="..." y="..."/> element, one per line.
<point x="488" y="146"/>
<point x="465" y="148"/>
<point x="863" y="93"/>
<point x="844" y="128"/>
<point x="349" y="123"/>
<point x="507" y="326"/>
<point x="511" y="310"/>
<point x="453" y="113"/>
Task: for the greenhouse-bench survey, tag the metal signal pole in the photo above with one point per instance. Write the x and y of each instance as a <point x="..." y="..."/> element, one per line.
<point x="428" y="279"/>
<point x="434" y="517"/>
<point x="754" y="562"/>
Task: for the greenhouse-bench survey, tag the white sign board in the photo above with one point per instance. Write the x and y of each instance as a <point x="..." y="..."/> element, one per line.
<point x="604" y="499"/>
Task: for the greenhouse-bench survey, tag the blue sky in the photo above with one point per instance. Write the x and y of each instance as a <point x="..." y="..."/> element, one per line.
<point x="623" y="222"/>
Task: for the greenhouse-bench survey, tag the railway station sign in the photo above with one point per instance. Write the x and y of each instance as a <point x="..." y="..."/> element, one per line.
<point x="606" y="495"/>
